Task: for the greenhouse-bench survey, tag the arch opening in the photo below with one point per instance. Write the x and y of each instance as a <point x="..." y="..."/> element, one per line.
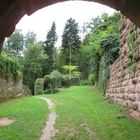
<point x="12" y="11"/>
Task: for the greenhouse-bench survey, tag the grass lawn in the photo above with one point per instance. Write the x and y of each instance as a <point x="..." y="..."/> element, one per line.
<point x="30" y="114"/>
<point x="83" y="114"/>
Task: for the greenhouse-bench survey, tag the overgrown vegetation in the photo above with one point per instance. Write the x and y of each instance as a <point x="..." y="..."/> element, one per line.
<point x="102" y="44"/>
<point x="133" y="49"/>
<point x="9" y="68"/>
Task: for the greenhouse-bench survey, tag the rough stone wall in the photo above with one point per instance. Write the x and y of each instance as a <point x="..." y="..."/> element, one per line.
<point x="124" y="86"/>
<point x="10" y="90"/>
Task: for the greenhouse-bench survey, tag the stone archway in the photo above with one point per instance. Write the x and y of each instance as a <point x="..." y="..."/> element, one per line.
<point x="11" y="11"/>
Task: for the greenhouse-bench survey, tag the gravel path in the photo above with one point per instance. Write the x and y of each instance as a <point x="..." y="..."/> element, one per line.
<point x="49" y="130"/>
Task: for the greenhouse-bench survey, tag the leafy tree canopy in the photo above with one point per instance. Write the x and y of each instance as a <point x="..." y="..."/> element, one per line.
<point x="15" y="43"/>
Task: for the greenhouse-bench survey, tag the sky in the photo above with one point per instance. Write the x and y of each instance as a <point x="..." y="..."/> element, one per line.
<point x="40" y="21"/>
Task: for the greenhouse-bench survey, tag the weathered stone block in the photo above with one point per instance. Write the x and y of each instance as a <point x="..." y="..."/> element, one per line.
<point x="138" y="106"/>
<point x="137" y="88"/>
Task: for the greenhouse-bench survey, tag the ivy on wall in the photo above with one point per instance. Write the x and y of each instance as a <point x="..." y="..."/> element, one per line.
<point x="9" y="68"/>
<point x="133" y="48"/>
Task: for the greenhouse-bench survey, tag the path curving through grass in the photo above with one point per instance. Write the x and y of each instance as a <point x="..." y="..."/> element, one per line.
<point x="82" y="114"/>
<point x="49" y="130"/>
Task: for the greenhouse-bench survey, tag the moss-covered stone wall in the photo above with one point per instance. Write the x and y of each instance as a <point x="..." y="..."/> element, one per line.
<point x="124" y="84"/>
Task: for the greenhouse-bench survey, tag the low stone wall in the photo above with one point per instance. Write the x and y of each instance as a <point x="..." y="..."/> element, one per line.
<point x="10" y="90"/>
<point x="124" y="83"/>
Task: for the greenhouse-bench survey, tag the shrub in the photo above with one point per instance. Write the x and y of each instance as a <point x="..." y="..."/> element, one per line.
<point x="52" y="81"/>
<point x="47" y="82"/>
<point x="56" y="78"/>
<point x="75" y="81"/>
<point x="39" y="86"/>
<point x="66" y="81"/>
<point x="85" y="82"/>
<point x="91" y="79"/>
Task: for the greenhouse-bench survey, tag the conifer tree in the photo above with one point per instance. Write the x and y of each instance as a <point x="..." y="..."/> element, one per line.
<point x="49" y="50"/>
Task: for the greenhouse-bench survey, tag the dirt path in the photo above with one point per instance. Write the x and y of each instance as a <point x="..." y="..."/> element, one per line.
<point x="49" y="130"/>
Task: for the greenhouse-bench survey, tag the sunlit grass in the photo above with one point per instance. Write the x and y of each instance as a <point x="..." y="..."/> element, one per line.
<point x="83" y="114"/>
<point x="30" y="115"/>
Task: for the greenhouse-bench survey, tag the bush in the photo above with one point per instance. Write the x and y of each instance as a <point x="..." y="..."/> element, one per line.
<point x="91" y="79"/>
<point x="85" y="82"/>
<point x="66" y="81"/>
<point x="39" y="86"/>
<point x="75" y="81"/>
<point x="52" y="81"/>
<point x="56" y="78"/>
<point x="47" y="78"/>
<point x="47" y="82"/>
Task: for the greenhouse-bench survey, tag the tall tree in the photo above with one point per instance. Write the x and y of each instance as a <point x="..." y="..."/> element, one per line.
<point x="30" y="38"/>
<point x="49" y="49"/>
<point x="15" y="43"/>
<point x="33" y="62"/>
<point x="70" y="42"/>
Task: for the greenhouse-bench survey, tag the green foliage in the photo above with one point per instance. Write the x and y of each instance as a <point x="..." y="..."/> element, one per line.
<point x="85" y="82"/>
<point x="75" y="81"/>
<point x="110" y="52"/>
<point x="33" y="64"/>
<point x="55" y="75"/>
<point x="14" y="44"/>
<point x="56" y="78"/>
<point x="84" y="59"/>
<point x="133" y="68"/>
<point x="9" y="68"/>
<point x="30" y="38"/>
<point x="103" y="76"/>
<point x="91" y="79"/>
<point x="110" y="48"/>
<point x="68" y="67"/>
<point x="133" y="48"/>
<point x="49" y="49"/>
<point x="66" y="81"/>
<point x="47" y="83"/>
<point x="76" y="73"/>
<point x="47" y="78"/>
<point x="70" y="35"/>
<point x="101" y="47"/>
<point x="94" y="63"/>
<point x="53" y="80"/>
<point x="70" y="43"/>
<point x="39" y="86"/>
<point x="72" y="70"/>
<point x="132" y="44"/>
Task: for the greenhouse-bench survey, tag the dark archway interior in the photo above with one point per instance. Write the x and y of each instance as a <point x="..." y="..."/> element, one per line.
<point x="11" y="11"/>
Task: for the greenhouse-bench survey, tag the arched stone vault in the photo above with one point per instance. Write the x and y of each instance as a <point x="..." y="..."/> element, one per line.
<point x="11" y="11"/>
